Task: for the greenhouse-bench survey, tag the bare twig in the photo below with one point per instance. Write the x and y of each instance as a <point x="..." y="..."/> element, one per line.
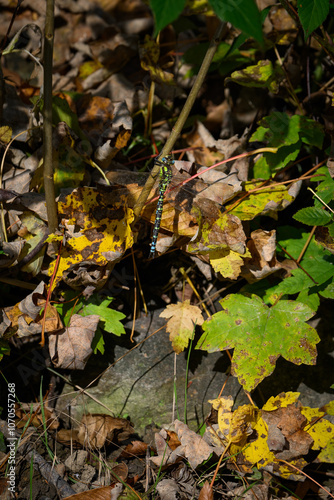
<point x="47" y="124"/>
<point x="181" y="120"/>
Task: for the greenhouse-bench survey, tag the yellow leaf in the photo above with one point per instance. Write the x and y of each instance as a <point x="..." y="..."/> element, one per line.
<point x="257" y="452"/>
<point x="329" y="408"/>
<point x="281" y="401"/>
<point x="104" y="234"/>
<point x="241" y="424"/>
<point x="228" y="263"/>
<point x="183" y="319"/>
<point x="321" y="431"/>
<point x="5" y="134"/>
<point x="327" y="454"/>
<point x="223" y="405"/>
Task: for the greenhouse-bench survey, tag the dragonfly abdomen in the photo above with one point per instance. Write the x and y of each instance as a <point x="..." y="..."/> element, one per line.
<point x="165" y="165"/>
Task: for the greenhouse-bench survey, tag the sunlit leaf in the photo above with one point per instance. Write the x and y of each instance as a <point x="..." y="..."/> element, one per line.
<point x="259" y="335"/>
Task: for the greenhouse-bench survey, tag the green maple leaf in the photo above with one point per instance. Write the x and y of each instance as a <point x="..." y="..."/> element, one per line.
<point x="259" y="335"/>
<point x="111" y="319"/>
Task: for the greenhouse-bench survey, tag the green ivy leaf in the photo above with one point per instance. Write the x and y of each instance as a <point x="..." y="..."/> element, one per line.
<point x="165" y="12"/>
<point x="259" y="335"/>
<point x="313" y="216"/>
<point x="243" y="14"/>
<point x="312" y="13"/>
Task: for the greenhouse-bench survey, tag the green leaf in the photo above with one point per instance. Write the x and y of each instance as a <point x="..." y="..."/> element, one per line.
<point x="94" y="305"/>
<point x="61" y="112"/>
<point x="313" y="216"/>
<point x="165" y="12"/>
<point x="317" y="262"/>
<point x="263" y="202"/>
<point x="328" y="292"/>
<point x="98" y="341"/>
<point x="262" y="75"/>
<point x="310" y="131"/>
<point x="110" y="317"/>
<point x="312" y="300"/>
<point x="70" y="306"/>
<point x="312" y="13"/>
<point x="287" y="134"/>
<point x="243" y="14"/>
<point x="331" y="230"/>
<point x="325" y="188"/>
<point x="4" y="348"/>
<point x="259" y="335"/>
<point x="278" y="129"/>
<point x="271" y="162"/>
<point x="226" y="58"/>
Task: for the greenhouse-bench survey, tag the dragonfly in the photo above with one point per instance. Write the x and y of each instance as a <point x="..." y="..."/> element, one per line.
<point x="177" y="200"/>
<point x="165" y="165"/>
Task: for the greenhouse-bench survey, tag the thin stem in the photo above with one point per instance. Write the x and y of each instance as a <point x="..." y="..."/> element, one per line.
<point x="181" y="120"/>
<point x="49" y="187"/>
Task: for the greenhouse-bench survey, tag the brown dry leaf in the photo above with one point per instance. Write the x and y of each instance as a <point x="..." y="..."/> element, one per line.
<point x="219" y="231"/>
<point x="280" y="431"/>
<point x="12" y="252"/>
<point x="210" y="150"/>
<point x="26" y="317"/>
<point x="173" y="440"/>
<point x="286" y="436"/>
<point x="33" y="414"/>
<point x="168" y="489"/>
<point x="284" y="28"/>
<point x="71" y="349"/>
<point x="106" y="122"/>
<point x="182" y="322"/>
<point x="105" y="493"/>
<point x="149" y="53"/>
<point x="134" y="449"/>
<point x="323" y="237"/>
<point x="96" y="430"/>
<point x="95" y="113"/>
<point x="120" y="472"/>
<point x="68" y="437"/>
<point x="255" y="492"/>
<point x="165" y="453"/>
<point x="193" y="446"/>
<point x="206" y="492"/>
<point x="262" y="247"/>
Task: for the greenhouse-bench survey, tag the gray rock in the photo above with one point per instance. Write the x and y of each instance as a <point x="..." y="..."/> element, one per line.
<point x="141" y="385"/>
